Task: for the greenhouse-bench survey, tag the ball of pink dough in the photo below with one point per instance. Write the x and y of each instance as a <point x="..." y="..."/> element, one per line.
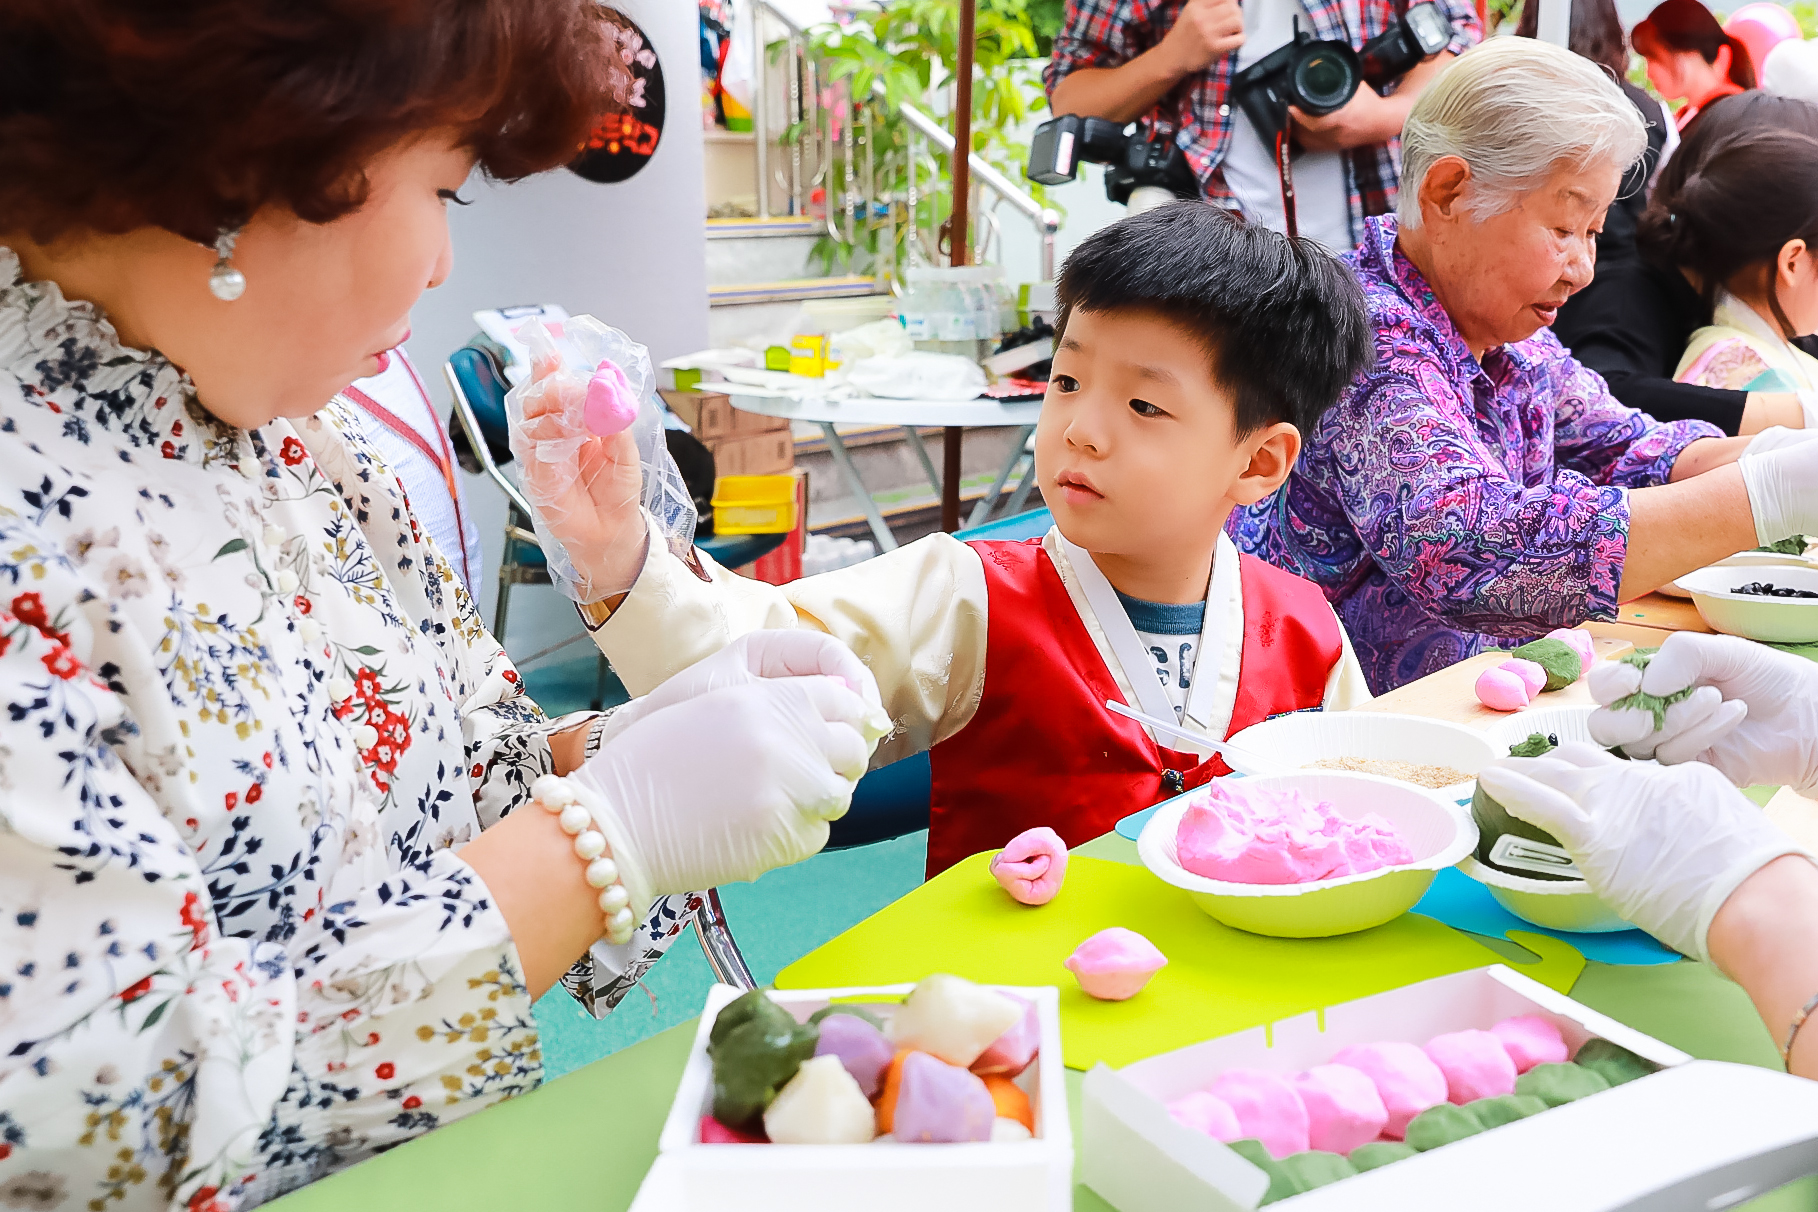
<point x="1267" y="1107"/>
<point x="1530" y="672"/>
<point x="1343" y="1108"/>
<point x="1406" y="1078"/>
<point x="1578" y="641"/>
<point x="1530" y="1040"/>
<point x="611" y="406"/>
<point x="1032" y="866"/>
<point x="1475" y="1063"/>
<point x="1500" y="690"/>
<point x="1115" y="964"/>
<point x="1207" y="1113"/>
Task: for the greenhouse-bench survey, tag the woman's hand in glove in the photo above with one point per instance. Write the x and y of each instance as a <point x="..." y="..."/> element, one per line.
<point x="792" y="652"/>
<point x="1754" y="714"/>
<point x="727" y="785"/>
<point x="588" y="489"/>
<point x="1664" y="846"/>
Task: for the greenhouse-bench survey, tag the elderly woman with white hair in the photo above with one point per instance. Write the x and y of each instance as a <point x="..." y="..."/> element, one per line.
<point x="1478" y="486"/>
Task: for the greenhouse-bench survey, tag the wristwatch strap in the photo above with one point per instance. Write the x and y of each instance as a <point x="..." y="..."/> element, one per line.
<point x="595" y="733"/>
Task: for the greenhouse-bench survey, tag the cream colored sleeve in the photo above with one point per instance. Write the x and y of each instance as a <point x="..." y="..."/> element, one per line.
<point x="1346" y="689"/>
<point x="916" y="616"/>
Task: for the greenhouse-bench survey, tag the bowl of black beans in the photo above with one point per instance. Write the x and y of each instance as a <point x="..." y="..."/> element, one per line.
<point x="1778" y="606"/>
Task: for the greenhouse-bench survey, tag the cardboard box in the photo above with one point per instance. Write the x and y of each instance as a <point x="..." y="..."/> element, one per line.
<point x="1021" y="1176"/>
<point x="1695" y="1135"/>
<point x="712" y="417"/>
<point x="763" y="454"/>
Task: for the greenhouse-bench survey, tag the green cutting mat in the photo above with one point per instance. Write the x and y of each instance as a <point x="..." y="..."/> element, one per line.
<point x="1218" y="980"/>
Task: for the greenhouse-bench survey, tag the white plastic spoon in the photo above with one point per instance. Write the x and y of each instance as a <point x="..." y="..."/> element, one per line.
<point x="1237" y="757"/>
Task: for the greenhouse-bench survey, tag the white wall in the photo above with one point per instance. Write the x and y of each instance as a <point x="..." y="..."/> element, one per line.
<point x="632" y="254"/>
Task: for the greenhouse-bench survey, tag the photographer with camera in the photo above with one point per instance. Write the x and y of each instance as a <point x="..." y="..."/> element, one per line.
<point x="1210" y="77"/>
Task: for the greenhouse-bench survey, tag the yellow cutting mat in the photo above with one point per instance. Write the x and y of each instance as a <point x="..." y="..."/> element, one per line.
<point x="1218" y="980"/>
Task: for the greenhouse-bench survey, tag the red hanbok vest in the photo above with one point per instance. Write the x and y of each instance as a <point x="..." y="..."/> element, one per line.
<point x="1043" y="750"/>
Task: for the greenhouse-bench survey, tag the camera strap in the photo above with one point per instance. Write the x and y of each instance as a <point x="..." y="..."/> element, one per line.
<point x="1284" y="168"/>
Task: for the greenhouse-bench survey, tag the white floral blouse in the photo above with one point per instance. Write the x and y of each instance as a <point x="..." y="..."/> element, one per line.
<point x="249" y="716"/>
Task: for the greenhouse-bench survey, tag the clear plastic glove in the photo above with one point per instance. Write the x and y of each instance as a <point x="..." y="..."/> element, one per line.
<point x="1664" y="846"/>
<point x="797" y="652"/>
<point x="727" y="785"/>
<point x="591" y="489"/>
<point x="1754" y="715"/>
<point x="1783" y="490"/>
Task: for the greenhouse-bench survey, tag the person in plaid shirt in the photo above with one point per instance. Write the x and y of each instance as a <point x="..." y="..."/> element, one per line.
<point x="1169" y="64"/>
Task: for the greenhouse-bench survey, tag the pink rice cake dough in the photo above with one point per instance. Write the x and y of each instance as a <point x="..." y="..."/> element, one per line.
<point x="1267" y="1107"/>
<point x="1475" y="1063"/>
<point x="1530" y="672"/>
<point x="1115" y="964"/>
<point x="1031" y="867"/>
<point x="1579" y="641"/>
<point x="1343" y="1108"/>
<point x="1406" y="1078"/>
<point x="611" y="405"/>
<point x="1244" y="834"/>
<point x="1503" y="689"/>
<point x="1207" y="1113"/>
<point x="1531" y="1040"/>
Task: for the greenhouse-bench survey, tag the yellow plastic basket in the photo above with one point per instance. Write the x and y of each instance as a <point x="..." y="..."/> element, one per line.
<point x="754" y="504"/>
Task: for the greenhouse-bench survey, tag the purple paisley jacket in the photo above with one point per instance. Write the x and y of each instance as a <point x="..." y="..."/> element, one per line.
<point x="1447" y="507"/>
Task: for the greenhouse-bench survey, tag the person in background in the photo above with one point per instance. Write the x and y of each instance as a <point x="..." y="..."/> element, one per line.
<point x="1675" y="848"/>
<point x="1690" y="58"/>
<point x="400" y="420"/>
<point x="286" y="854"/>
<point x="1478" y="485"/>
<point x="1743" y="229"/>
<point x="1168" y="64"/>
<point x="1632" y="323"/>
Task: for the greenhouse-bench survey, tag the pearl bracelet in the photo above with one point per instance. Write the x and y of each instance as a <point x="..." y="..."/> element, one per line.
<point x="554" y="793"/>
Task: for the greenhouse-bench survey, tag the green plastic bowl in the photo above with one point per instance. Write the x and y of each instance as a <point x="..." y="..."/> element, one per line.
<point x="1437" y="831"/>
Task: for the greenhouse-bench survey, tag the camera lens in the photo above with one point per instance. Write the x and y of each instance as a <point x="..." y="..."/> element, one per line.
<point x="1324" y="80"/>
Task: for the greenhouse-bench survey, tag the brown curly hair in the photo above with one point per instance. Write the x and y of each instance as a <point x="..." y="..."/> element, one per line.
<point x="191" y="115"/>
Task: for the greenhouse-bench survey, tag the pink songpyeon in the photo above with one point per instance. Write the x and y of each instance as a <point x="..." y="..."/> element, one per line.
<point x="1531" y="1040"/>
<point x="1244" y="834"/>
<point x="1207" y="1113"/>
<point x="1343" y="1108"/>
<point x="1475" y="1063"/>
<point x="1579" y="641"/>
<point x="1502" y="689"/>
<point x="1267" y="1107"/>
<point x="1406" y="1078"/>
<point x="1032" y="866"/>
<point x="611" y="406"/>
<point x="1115" y="964"/>
<point x="1530" y="672"/>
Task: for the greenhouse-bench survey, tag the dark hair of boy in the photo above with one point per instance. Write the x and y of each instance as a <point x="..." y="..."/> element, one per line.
<point x="1283" y="321"/>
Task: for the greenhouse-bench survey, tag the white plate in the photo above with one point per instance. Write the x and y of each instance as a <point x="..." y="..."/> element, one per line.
<point x="1567" y="723"/>
<point x="1744" y="559"/>
<point x="1773" y="620"/>
<point x="1298" y="740"/>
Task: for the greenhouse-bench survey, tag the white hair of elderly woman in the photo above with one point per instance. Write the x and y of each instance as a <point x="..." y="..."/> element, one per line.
<point x="1514" y="109"/>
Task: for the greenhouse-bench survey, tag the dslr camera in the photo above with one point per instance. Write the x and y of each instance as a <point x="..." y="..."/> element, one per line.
<point x="1140" y="173"/>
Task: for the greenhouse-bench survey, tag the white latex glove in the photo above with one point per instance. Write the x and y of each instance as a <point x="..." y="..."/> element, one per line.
<point x="727" y="785"/>
<point x="1779" y="437"/>
<point x="1808" y="404"/>
<point x="1783" y="490"/>
<point x="1754" y="715"/>
<point x="795" y="652"/>
<point x="1664" y="846"/>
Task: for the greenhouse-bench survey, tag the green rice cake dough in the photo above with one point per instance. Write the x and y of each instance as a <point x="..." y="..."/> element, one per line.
<point x="1654" y="704"/>
<point x="1561" y="661"/>
<point x="1281" y="1183"/>
<point x="1614" y="1063"/>
<point x="1493" y="820"/>
<point x="1505" y="1109"/>
<point x="1316" y="1168"/>
<point x="1380" y="1153"/>
<point x="1442" y="1125"/>
<point x="1556" y="1085"/>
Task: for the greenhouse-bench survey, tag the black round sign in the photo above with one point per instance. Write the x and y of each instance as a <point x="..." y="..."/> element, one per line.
<point x="622" y="143"/>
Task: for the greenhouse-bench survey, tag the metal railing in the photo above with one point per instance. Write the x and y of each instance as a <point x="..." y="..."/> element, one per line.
<point x="813" y="160"/>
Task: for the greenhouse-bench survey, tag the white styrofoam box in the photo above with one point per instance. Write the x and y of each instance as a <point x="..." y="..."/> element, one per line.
<point x="1019" y="1176"/>
<point x="1140" y="1160"/>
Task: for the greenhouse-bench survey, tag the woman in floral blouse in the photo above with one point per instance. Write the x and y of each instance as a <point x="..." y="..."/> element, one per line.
<point x="251" y="930"/>
<point x="1479" y="487"/>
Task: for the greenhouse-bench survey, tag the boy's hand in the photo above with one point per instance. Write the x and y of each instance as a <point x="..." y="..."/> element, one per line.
<point x="588" y="489"/>
<point x="1205" y="31"/>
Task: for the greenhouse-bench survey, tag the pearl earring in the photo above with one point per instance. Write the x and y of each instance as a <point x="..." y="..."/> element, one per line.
<point x="226" y="283"/>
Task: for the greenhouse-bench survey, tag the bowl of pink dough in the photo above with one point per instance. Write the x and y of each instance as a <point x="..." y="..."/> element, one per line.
<point x="1305" y="855"/>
